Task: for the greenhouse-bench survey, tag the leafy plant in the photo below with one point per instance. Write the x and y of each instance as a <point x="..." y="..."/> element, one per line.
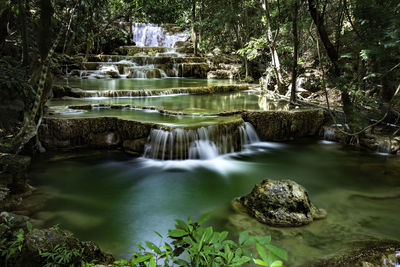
<point x="205" y="247"/>
<point x="60" y="255"/>
<point x="10" y="248"/>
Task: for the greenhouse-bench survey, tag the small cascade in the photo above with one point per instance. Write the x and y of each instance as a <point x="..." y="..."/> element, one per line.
<point x="153" y="35"/>
<point x="202" y="143"/>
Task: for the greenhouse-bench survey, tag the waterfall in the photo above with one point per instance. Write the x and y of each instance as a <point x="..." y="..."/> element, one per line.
<point x="201" y="143"/>
<point x="153" y="35"/>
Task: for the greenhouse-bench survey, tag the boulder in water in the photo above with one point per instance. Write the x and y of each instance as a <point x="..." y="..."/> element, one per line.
<point x="280" y="203"/>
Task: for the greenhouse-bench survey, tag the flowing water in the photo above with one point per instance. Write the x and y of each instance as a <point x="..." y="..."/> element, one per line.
<point x="135" y="84"/>
<point x="119" y="201"/>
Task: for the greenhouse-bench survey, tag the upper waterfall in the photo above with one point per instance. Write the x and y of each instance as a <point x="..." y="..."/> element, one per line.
<point x="154" y="35"/>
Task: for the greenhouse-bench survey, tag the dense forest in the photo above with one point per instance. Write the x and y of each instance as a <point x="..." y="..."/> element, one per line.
<point x="334" y="66"/>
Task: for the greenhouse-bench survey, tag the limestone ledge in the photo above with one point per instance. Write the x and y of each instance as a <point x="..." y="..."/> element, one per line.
<point x="106" y="132"/>
<point x="286" y="125"/>
<point x="101" y="132"/>
<point x="150" y="92"/>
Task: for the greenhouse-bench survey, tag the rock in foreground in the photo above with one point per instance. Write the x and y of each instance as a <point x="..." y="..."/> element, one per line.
<point x="280" y="203"/>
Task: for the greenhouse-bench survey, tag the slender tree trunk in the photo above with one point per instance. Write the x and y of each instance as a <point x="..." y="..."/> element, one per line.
<point x="295" y="52"/>
<point x="23" y="28"/>
<point x="271" y="45"/>
<point x="332" y="54"/>
<point x="194" y="33"/>
<point x="236" y="29"/>
<point x="46" y="12"/>
<point x="4" y="17"/>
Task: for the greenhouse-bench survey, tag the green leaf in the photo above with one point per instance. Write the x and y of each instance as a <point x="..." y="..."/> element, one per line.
<point x="243" y="237"/>
<point x="177" y="233"/>
<point x="260" y="262"/>
<point x="152" y="263"/>
<point x="181" y="225"/>
<point x="277" y="251"/>
<point x="143" y="258"/>
<point x="153" y="247"/>
<point x="29" y="226"/>
<point x="157" y="233"/>
<point x="261" y="252"/>
<point x="277" y="264"/>
<point x="203" y="218"/>
<point x="181" y="262"/>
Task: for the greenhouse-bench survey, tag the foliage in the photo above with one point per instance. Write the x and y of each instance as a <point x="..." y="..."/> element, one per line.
<point x="205" y="247"/>
<point x="254" y="48"/>
<point x="60" y="255"/>
<point x="11" y="247"/>
<point x="13" y="81"/>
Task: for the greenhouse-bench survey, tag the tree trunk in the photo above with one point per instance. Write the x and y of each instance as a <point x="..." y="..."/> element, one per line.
<point x="332" y="54"/>
<point x="194" y="33"/>
<point x="46" y="12"/>
<point x="271" y="45"/>
<point x="23" y="28"/>
<point x="4" y="17"/>
<point x="295" y="53"/>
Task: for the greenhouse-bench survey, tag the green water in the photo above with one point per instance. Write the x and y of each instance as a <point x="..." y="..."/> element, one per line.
<point x="118" y="201"/>
<point x="211" y="103"/>
<point x="140" y="115"/>
<point x="137" y="84"/>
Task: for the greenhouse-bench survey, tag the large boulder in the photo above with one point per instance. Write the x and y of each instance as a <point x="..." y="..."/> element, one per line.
<point x="280" y="203"/>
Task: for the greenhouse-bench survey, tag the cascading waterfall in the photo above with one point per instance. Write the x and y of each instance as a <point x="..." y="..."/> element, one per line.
<point x="153" y="35"/>
<point x="201" y="143"/>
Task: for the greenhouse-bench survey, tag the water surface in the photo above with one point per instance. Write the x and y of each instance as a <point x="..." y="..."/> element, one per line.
<point x="119" y="201"/>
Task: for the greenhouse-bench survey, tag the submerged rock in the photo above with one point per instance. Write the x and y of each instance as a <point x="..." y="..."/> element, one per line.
<point x="280" y="203"/>
<point x="367" y="254"/>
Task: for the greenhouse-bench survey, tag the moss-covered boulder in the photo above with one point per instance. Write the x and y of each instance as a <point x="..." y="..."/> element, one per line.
<point x="280" y="203"/>
<point x="47" y="240"/>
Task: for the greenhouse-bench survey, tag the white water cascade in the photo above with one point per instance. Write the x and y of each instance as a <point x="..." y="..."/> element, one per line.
<point x="153" y="35"/>
<point x="201" y="143"/>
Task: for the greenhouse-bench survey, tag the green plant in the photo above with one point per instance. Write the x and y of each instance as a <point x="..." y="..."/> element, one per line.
<point x="11" y="247"/>
<point x="60" y="255"/>
<point x="205" y="247"/>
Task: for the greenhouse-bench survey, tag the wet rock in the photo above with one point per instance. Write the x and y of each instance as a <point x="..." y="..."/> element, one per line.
<point x="48" y="239"/>
<point x="383" y="144"/>
<point x="286" y="125"/>
<point x="333" y="134"/>
<point x="13" y="220"/>
<point x="61" y="91"/>
<point x="280" y="203"/>
<point x="106" y="139"/>
<point x="135" y="147"/>
<point x="220" y="74"/>
<point x="13" y="171"/>
<point x="197" y="70"/>
<point x="367" y="254"/>
<point x="56" y="133"/>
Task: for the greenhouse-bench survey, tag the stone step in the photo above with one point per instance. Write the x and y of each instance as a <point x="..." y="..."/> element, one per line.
<point x="145" y="60"/>
<point x="170" y="91"/>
